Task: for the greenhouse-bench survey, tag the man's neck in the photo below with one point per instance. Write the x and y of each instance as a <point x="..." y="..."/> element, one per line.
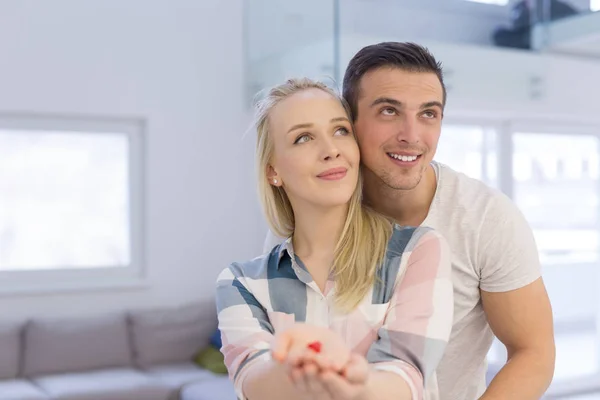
<point x="406" y="207"/>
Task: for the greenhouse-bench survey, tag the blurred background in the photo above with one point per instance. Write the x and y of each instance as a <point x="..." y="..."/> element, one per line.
<point x="127" y="168"/>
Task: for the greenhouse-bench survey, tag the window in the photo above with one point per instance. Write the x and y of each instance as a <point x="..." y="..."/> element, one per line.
<point x="70" y="204"/>
<point x="595" y="5"/>
<point x="556" y="185"/>
<point x="552" y="173"/>
<point x="470" y="149"/>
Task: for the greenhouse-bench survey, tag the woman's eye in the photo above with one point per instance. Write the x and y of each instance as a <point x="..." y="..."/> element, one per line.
<point x="342" y="131"/>
<point x="302" y="139"/>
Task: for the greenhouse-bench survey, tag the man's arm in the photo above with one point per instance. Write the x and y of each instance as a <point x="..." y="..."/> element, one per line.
<point x="522" y="321"/>
<point x="516" y="304"/>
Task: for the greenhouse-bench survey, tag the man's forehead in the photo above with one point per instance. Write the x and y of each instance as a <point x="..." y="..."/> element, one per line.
<point x="402" y="86"/>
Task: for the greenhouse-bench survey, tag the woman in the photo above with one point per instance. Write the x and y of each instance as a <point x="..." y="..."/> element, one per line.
<point x="349" y="303"/>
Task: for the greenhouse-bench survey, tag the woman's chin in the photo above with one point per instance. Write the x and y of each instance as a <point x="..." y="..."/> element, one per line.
<point x="333" y="200"/>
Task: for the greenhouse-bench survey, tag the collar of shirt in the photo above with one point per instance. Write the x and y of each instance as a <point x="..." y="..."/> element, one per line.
<point x="287" y="259"/>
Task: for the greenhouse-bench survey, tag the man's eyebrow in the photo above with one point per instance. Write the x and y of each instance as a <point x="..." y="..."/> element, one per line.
<point x="394" y="102"/>
<point x="430" y="104"/>
<point x="386" y="100"/>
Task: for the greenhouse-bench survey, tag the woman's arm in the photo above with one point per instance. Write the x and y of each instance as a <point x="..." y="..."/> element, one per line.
<point x="247" y="335"/>
<point x="418" y="323"/>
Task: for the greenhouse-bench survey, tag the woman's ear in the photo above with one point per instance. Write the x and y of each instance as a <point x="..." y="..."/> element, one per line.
<point x="272" y="176"/>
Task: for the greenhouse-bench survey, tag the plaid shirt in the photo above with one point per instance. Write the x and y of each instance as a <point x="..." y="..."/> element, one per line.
<point x="401" y="326"/>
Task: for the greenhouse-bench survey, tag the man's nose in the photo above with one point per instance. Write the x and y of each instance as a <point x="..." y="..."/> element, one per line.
<point x="408" y="130"/>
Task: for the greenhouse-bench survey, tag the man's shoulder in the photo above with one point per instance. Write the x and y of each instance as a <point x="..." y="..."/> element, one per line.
<point x="471" y="196"/>
<point x="491" y="223"/>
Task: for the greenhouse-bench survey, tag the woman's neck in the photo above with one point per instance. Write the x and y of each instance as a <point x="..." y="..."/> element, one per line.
<point x="317" y="232"/>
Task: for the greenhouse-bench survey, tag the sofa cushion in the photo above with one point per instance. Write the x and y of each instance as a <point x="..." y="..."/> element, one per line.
<point x="114" y="384"/>
<point x="171" y="335"/>
<point x="211" y="359"/>
<point x="215" y="339"/>
<point x="219" y="388"/>
<point x="10" y="349"/>
<point x="55" y="345"/>
<point x="20" y="390"/>
<point x="178" y="375"/>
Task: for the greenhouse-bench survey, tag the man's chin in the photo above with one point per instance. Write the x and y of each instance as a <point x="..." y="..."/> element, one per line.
<point x="404" y="183"/>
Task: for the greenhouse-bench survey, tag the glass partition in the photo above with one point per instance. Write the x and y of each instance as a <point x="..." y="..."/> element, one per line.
<point x="286" y="39"/>
<point x="507" y="93"/>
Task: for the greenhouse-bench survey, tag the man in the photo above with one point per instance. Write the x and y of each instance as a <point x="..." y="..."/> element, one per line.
<point x="397" y="96"/>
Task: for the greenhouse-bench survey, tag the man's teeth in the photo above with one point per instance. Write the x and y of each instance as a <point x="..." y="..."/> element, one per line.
<point x="403" y="158"/>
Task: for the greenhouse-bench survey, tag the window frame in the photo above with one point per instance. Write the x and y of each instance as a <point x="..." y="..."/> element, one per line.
<point x="504" y="4"/>
<point x="133" y="275"/>
<point x="571" y="386"/>
<point x="486" y="123"/>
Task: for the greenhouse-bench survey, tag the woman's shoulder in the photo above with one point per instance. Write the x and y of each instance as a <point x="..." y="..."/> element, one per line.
<point x="257" y="267"/>
<point x="406" y="238"/>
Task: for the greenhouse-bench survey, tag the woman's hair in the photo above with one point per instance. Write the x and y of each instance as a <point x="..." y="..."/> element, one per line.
<point x="362" y="244"/>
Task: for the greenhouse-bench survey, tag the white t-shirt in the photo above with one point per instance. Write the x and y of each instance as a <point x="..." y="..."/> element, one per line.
<point x="493" y="249"/>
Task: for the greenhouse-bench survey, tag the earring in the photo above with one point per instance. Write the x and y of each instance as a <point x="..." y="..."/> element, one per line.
<point x="275" y="181"/>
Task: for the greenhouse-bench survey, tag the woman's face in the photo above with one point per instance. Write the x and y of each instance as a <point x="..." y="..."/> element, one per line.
<point x="315" y="157"/>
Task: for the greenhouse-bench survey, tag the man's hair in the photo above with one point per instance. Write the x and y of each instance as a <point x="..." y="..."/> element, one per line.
<point x="406" y="56"/>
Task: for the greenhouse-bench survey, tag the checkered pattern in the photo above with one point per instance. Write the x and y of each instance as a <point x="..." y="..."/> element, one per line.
<point x="401" y="326"/>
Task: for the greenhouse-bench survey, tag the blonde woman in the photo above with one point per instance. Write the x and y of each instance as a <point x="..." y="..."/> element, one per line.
<point x="350" y="306"/>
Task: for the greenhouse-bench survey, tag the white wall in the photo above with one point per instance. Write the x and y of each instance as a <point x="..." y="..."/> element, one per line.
<point x="179" y="65"/>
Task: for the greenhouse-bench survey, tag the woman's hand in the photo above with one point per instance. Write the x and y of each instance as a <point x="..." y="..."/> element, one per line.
<point x="319" y="363"/>
<point x="319" y="384"/>
<point x="291" y="347"/>
<point x="351" y="384"/>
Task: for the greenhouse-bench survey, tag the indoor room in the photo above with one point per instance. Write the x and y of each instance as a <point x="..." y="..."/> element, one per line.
<point x="128" y="179"/>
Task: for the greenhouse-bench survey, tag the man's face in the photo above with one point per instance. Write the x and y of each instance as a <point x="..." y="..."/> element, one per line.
<point x="398" y="125"/>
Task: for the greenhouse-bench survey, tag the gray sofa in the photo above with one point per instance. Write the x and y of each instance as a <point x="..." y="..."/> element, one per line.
<point x="130" y="355"/>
